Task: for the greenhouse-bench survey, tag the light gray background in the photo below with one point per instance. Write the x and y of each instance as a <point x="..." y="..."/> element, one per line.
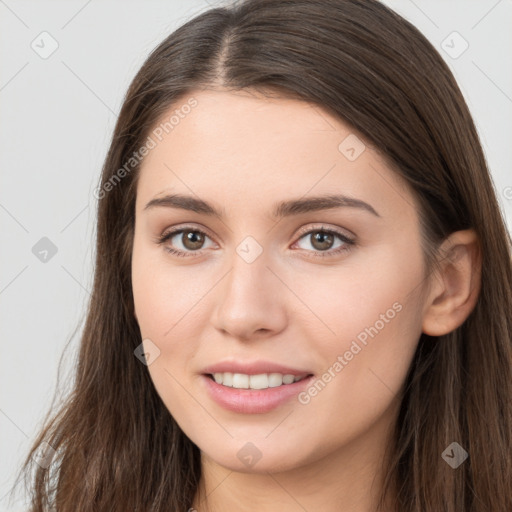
<point x="57" y="116"/>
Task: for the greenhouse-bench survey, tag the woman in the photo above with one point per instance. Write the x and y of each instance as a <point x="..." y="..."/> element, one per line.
<point x="302" y="287"/>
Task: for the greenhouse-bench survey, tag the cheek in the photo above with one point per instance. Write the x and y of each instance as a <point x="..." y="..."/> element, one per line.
<point x="378" y="288"/>
<point x="163" y="296"/>
<point x="166" y="303"/>
<point x="373" y="313"/>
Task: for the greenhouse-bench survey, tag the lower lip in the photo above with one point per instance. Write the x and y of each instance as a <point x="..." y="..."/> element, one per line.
<point x="253" y="401"/>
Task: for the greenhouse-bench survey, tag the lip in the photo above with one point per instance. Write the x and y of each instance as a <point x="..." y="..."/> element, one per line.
<point x="253" y="401"/>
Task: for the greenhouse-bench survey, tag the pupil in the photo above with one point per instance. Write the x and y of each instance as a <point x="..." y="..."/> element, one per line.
<point x="320" y="238"/>
<point x="194" y="239"/>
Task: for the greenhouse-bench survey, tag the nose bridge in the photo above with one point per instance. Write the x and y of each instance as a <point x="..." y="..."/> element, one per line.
<point x="249" y="299"/>
<point x="248" y="281"/>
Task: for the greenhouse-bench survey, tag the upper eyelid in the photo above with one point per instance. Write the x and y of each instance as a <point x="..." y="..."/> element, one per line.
<point x="178" y="229"/>
<point x="323" y="227"/>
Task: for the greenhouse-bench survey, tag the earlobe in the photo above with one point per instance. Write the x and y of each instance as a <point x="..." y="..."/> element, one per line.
<point x="455" y="288"/>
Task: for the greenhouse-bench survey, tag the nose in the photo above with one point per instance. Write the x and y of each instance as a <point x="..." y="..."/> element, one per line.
<point x="251" y="300"/>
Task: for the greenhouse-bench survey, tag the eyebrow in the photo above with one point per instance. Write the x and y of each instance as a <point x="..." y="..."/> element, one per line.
<point x="282" y="209"/>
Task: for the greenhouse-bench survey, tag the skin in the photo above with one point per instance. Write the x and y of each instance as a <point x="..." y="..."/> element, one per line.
<point x="244" y="152"/>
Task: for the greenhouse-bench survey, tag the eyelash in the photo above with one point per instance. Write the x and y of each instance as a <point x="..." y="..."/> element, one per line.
<point x="348" y="243"/>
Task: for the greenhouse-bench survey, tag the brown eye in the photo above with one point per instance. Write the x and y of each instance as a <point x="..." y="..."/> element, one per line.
<point x="325" y="242"/>
<point x="192" y="240"/>
<point x="322" y="240"/>
<point x="184" y="241"/>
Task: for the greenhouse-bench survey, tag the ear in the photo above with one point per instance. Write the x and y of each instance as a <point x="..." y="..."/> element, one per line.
<point x="454" y="289"/>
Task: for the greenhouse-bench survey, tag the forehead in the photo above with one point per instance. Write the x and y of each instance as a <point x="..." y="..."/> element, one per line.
<point x="247" y="145"/>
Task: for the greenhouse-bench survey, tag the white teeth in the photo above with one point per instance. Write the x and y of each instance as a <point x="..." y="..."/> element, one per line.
<point x="240" y="381"/>
<point x="227" y="379"/>
<point x="260" y="381"/>
<point x="274" y="380"/>
<point x="288" y="379"/>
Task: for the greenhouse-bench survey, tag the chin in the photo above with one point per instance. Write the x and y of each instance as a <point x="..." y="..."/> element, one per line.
<point x="275" y="463"/>
<point x="259" y="456"/>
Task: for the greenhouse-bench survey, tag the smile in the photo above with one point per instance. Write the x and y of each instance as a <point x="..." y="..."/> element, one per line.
<point x="260" y="381"/>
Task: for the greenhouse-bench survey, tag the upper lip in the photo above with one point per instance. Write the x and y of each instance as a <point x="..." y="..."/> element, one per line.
<point x="254" y="368"/>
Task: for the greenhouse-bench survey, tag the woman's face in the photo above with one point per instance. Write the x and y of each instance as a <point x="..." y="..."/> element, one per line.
<point x="276" y="284"/>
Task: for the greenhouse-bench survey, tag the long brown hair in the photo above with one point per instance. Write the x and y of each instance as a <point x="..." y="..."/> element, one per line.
<point x="117" y="448"/>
